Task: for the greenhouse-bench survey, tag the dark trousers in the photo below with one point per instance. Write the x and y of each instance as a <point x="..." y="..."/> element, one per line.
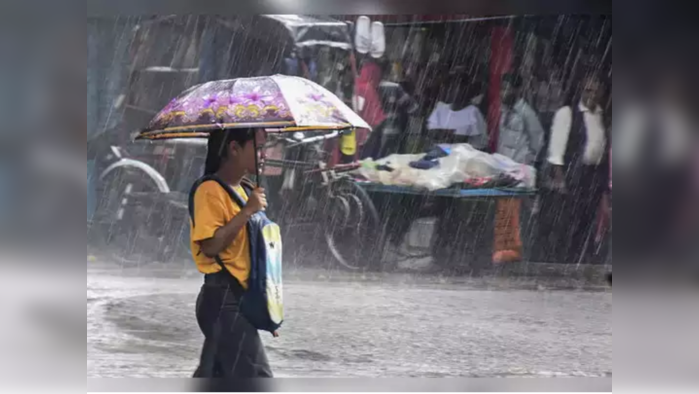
<point x="583" y="214"/>
<point x="372" y="147"/>
<point x="232" y="347"/>
<point x="567" y="223"/>
<point x="392" y="144"/>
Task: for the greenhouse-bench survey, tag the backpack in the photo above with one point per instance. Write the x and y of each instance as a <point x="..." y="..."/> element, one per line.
<point x="261" y="303"/>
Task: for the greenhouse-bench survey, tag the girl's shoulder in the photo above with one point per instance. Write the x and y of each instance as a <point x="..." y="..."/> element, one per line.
<point x="210" y="187"/>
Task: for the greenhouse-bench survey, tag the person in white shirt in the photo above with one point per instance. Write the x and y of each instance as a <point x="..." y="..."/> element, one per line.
<point x="579" y="161"/>
<point x="459" y="120"/>
<point x="521" y="136"/>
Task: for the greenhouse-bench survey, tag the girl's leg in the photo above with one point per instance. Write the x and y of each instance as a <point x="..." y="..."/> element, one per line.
<point x="241" y="353"/>
<point x="232" y="348"/>
<point x="208" y="353"/>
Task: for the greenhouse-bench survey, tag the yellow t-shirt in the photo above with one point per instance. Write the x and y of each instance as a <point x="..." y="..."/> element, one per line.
<point x="214" y="208"/>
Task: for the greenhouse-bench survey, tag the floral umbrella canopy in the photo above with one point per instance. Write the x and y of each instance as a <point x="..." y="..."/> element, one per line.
<point x="275" y="102"/>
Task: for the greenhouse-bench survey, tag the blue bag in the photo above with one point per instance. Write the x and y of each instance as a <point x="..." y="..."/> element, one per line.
<point x="262" y="302"/>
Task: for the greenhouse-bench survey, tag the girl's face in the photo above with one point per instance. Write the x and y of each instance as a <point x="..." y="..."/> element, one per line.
<point x="245" y="155"/>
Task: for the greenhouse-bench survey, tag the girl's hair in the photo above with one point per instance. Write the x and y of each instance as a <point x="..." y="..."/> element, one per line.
<point x="219" y="141"/>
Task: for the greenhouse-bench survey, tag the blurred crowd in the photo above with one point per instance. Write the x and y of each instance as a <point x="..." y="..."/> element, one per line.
<point x="561" y="122"/>
<point x="565" y="133"/>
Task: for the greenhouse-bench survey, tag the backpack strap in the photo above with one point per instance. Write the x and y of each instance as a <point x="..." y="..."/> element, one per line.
<point x="247" y="185"/>
<point x="192" y="192"/>
<point x="231" y="193"/>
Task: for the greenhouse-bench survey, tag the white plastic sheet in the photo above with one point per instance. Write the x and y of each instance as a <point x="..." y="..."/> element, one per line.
<point x="463" y="163"/>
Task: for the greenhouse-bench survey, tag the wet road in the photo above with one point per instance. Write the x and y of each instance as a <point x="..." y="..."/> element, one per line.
<point x="140" y="325"/>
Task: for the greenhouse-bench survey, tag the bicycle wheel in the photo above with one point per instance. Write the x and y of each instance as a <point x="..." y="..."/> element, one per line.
<point x="352" y="227"/>
<point x="129" y="229"/>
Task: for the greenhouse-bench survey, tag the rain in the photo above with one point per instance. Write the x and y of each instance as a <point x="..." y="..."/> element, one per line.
<point x="407" y="251"/>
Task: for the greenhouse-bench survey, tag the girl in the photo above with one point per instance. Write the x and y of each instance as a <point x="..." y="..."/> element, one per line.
<point x="232" y="348"/>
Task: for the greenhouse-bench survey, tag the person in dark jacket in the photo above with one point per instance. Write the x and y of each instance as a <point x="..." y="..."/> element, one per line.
<point x="579" y="159"/>
<point x="387" y="107"/>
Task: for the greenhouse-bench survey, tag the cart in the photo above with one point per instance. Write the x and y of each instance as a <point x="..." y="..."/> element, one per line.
<point x="463" y="241"/>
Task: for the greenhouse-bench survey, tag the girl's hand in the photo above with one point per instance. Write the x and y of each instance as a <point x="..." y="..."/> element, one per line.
<point x="257" y="201"/>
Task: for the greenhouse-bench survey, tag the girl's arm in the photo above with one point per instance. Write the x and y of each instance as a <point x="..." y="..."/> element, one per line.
<point x="206" y="208"/>
<point x="224" y="236"/>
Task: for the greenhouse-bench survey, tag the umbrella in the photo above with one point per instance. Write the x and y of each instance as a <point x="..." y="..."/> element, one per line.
<point x="276" y="102"/>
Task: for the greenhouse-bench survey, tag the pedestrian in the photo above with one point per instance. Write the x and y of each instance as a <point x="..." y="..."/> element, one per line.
<point x="459" y="119"/>
<point x="521" y="138"/>
<point x="232" y="346"/>
<point x="521" y="135"/>
<point x="579" y="161"/>
<point x="387" y="107"/>
<point x="367" y="103"/>
<point x="398" y="106"/>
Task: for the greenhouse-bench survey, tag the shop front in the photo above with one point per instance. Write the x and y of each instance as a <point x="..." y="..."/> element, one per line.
<point x="550" y="53"/>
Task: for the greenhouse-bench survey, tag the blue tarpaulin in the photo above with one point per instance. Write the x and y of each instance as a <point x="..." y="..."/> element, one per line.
<point x="452" y="192"/>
